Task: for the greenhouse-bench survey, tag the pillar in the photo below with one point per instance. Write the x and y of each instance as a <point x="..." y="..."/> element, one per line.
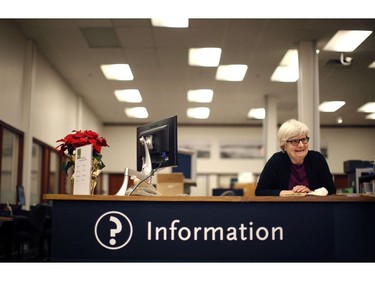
<point x="270" y="127"/>
<point x="308" y="91"/>
<point x="27" y="90"/>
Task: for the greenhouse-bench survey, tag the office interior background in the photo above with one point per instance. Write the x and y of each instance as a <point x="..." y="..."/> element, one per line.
<point x="51" y="83"/>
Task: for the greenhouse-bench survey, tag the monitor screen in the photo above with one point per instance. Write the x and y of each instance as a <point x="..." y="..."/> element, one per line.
<point x="187" y="159"/>
<point x="21" y="201"/>
<point x="161" y="140"/>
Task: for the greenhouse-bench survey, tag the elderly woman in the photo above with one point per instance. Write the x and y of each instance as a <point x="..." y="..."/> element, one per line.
<point x="295" y="170"/>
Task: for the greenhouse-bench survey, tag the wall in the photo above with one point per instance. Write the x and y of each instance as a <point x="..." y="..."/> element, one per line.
<point x="55" y="103"/>
<point x="342" y="144"/>
<point x="12" y="51"/>
<point x="35" y="99"/>
<point x="348" y="144"/>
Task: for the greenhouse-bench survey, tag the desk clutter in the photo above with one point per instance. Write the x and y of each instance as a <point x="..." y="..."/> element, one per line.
<point x="170" y="184"/>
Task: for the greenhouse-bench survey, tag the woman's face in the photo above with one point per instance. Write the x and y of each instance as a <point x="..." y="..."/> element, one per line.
<point x="297" y="148"/>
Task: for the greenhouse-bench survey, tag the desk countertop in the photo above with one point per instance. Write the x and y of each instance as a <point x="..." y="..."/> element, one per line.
<point x="4" y="219"/>
<point x="250" y="199"/>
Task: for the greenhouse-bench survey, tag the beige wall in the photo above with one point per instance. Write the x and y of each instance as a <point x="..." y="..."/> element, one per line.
<point x="53" y="108"/>
<point x="342" y="144"/>
<point x="12" y="51"/>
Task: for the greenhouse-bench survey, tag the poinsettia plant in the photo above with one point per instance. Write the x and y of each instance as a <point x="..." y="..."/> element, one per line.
<point x="80" y="138"/>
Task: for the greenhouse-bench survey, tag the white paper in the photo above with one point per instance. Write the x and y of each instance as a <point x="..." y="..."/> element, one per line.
<point x="82" y="170"/>
<point x="319" y="192"/>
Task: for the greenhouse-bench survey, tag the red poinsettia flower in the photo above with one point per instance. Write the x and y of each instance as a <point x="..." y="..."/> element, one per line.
<point x="80" y="138"/>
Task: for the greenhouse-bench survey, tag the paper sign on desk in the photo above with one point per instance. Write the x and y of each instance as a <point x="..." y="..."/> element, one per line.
<point x="82" y="170"/>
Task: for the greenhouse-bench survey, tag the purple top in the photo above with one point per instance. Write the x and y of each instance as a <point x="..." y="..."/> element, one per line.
<point x="298" y="176"/>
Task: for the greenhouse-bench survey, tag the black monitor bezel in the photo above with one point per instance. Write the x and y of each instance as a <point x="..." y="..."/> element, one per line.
<point x="164" y="126"/>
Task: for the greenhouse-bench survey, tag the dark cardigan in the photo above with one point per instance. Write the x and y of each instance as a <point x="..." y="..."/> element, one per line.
<point x="276" y="173"/>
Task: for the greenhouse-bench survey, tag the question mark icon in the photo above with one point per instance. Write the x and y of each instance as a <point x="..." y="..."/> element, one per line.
<point x="115" y="230"/>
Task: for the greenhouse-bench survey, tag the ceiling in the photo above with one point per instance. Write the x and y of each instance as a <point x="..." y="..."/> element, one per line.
<point x="158" y="58"/>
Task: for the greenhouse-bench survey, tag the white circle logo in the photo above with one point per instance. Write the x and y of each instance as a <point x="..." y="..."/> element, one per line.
<point x="113" y="230"/>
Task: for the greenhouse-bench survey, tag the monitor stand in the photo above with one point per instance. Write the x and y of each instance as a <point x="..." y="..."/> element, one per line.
<point x="145" y="174"/>
<point x="129" y="173"/>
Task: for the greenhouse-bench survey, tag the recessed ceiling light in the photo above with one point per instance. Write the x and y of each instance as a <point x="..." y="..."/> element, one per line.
<point x="370" y="116"/>
<point x="330" y="106"/>
<point x="177" y="22"/>
<point x="368" y="107"/>
<point x="136" y="112"/>
<point x="290" y="58"/>
<point x="257" y="113"/>
<point x="200" y="95"/>
<point x="346" y="40"/>
<point x="285" y="74"/>
<point x="128" y="95"/>
<point x="120" y="72"/>
<point x="198" y="112"/>
<point x="372" y="65"/>
<point x="208" y="57"/>
<point x="287" y="70"/>
<point x="232" y="72"/>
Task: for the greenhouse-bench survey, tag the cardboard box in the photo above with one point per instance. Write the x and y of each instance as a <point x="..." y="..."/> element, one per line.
<point x="170" y="184"/>
<point x="248" y="188"/>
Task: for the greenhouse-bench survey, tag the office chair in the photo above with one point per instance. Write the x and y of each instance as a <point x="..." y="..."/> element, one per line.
<point x="34" y="233"/>
<point x="228" y="193"/>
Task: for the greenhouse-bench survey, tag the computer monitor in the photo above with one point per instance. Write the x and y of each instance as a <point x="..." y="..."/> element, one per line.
<point x="157" y="145"/>
<point x="156" y="149"/>
<point x="187" y="164"/>
<point x="21" y="201"/>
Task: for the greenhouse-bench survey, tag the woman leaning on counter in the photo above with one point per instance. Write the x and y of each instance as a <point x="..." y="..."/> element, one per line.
<point x="294" y="169"/>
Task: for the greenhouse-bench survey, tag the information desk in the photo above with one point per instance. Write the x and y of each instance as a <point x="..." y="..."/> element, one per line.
<point x="194" y="228"/>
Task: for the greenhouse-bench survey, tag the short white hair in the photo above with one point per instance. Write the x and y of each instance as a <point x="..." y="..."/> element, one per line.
<point x="290" y="129"/>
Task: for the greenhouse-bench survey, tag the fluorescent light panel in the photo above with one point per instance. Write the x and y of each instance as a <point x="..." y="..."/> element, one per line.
<point x="170" y="22"/>
<point x="285" y="74"/>
<point x="257" y="113"/>
<point x="287" y="70"/>
<point x="120" y="72"/>
<point x="368" y="107"/>
<point x="232" y="72"/>
<point x="200" y="95"/>
<point x="346" y="40"/>
<point x="330" y="106"/>
<point x="128" y="95"/>
<point x="371" y="116"/>
<point x="198" y="112"/>
<point x="290" y="58"/>
<point x="207" y="57"/>
<point x="136" y="112"/>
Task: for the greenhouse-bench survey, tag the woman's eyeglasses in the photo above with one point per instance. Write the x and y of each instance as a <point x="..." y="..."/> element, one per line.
<point x="296" y="142"/>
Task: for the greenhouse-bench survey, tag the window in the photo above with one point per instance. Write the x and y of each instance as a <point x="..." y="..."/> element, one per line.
<point x="11" y="144"/>
<point x="47" y="177"/>
<point x="54" y="173"/>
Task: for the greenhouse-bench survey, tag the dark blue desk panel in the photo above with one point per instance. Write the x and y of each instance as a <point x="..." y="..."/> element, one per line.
<point x="265" y="229"/>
